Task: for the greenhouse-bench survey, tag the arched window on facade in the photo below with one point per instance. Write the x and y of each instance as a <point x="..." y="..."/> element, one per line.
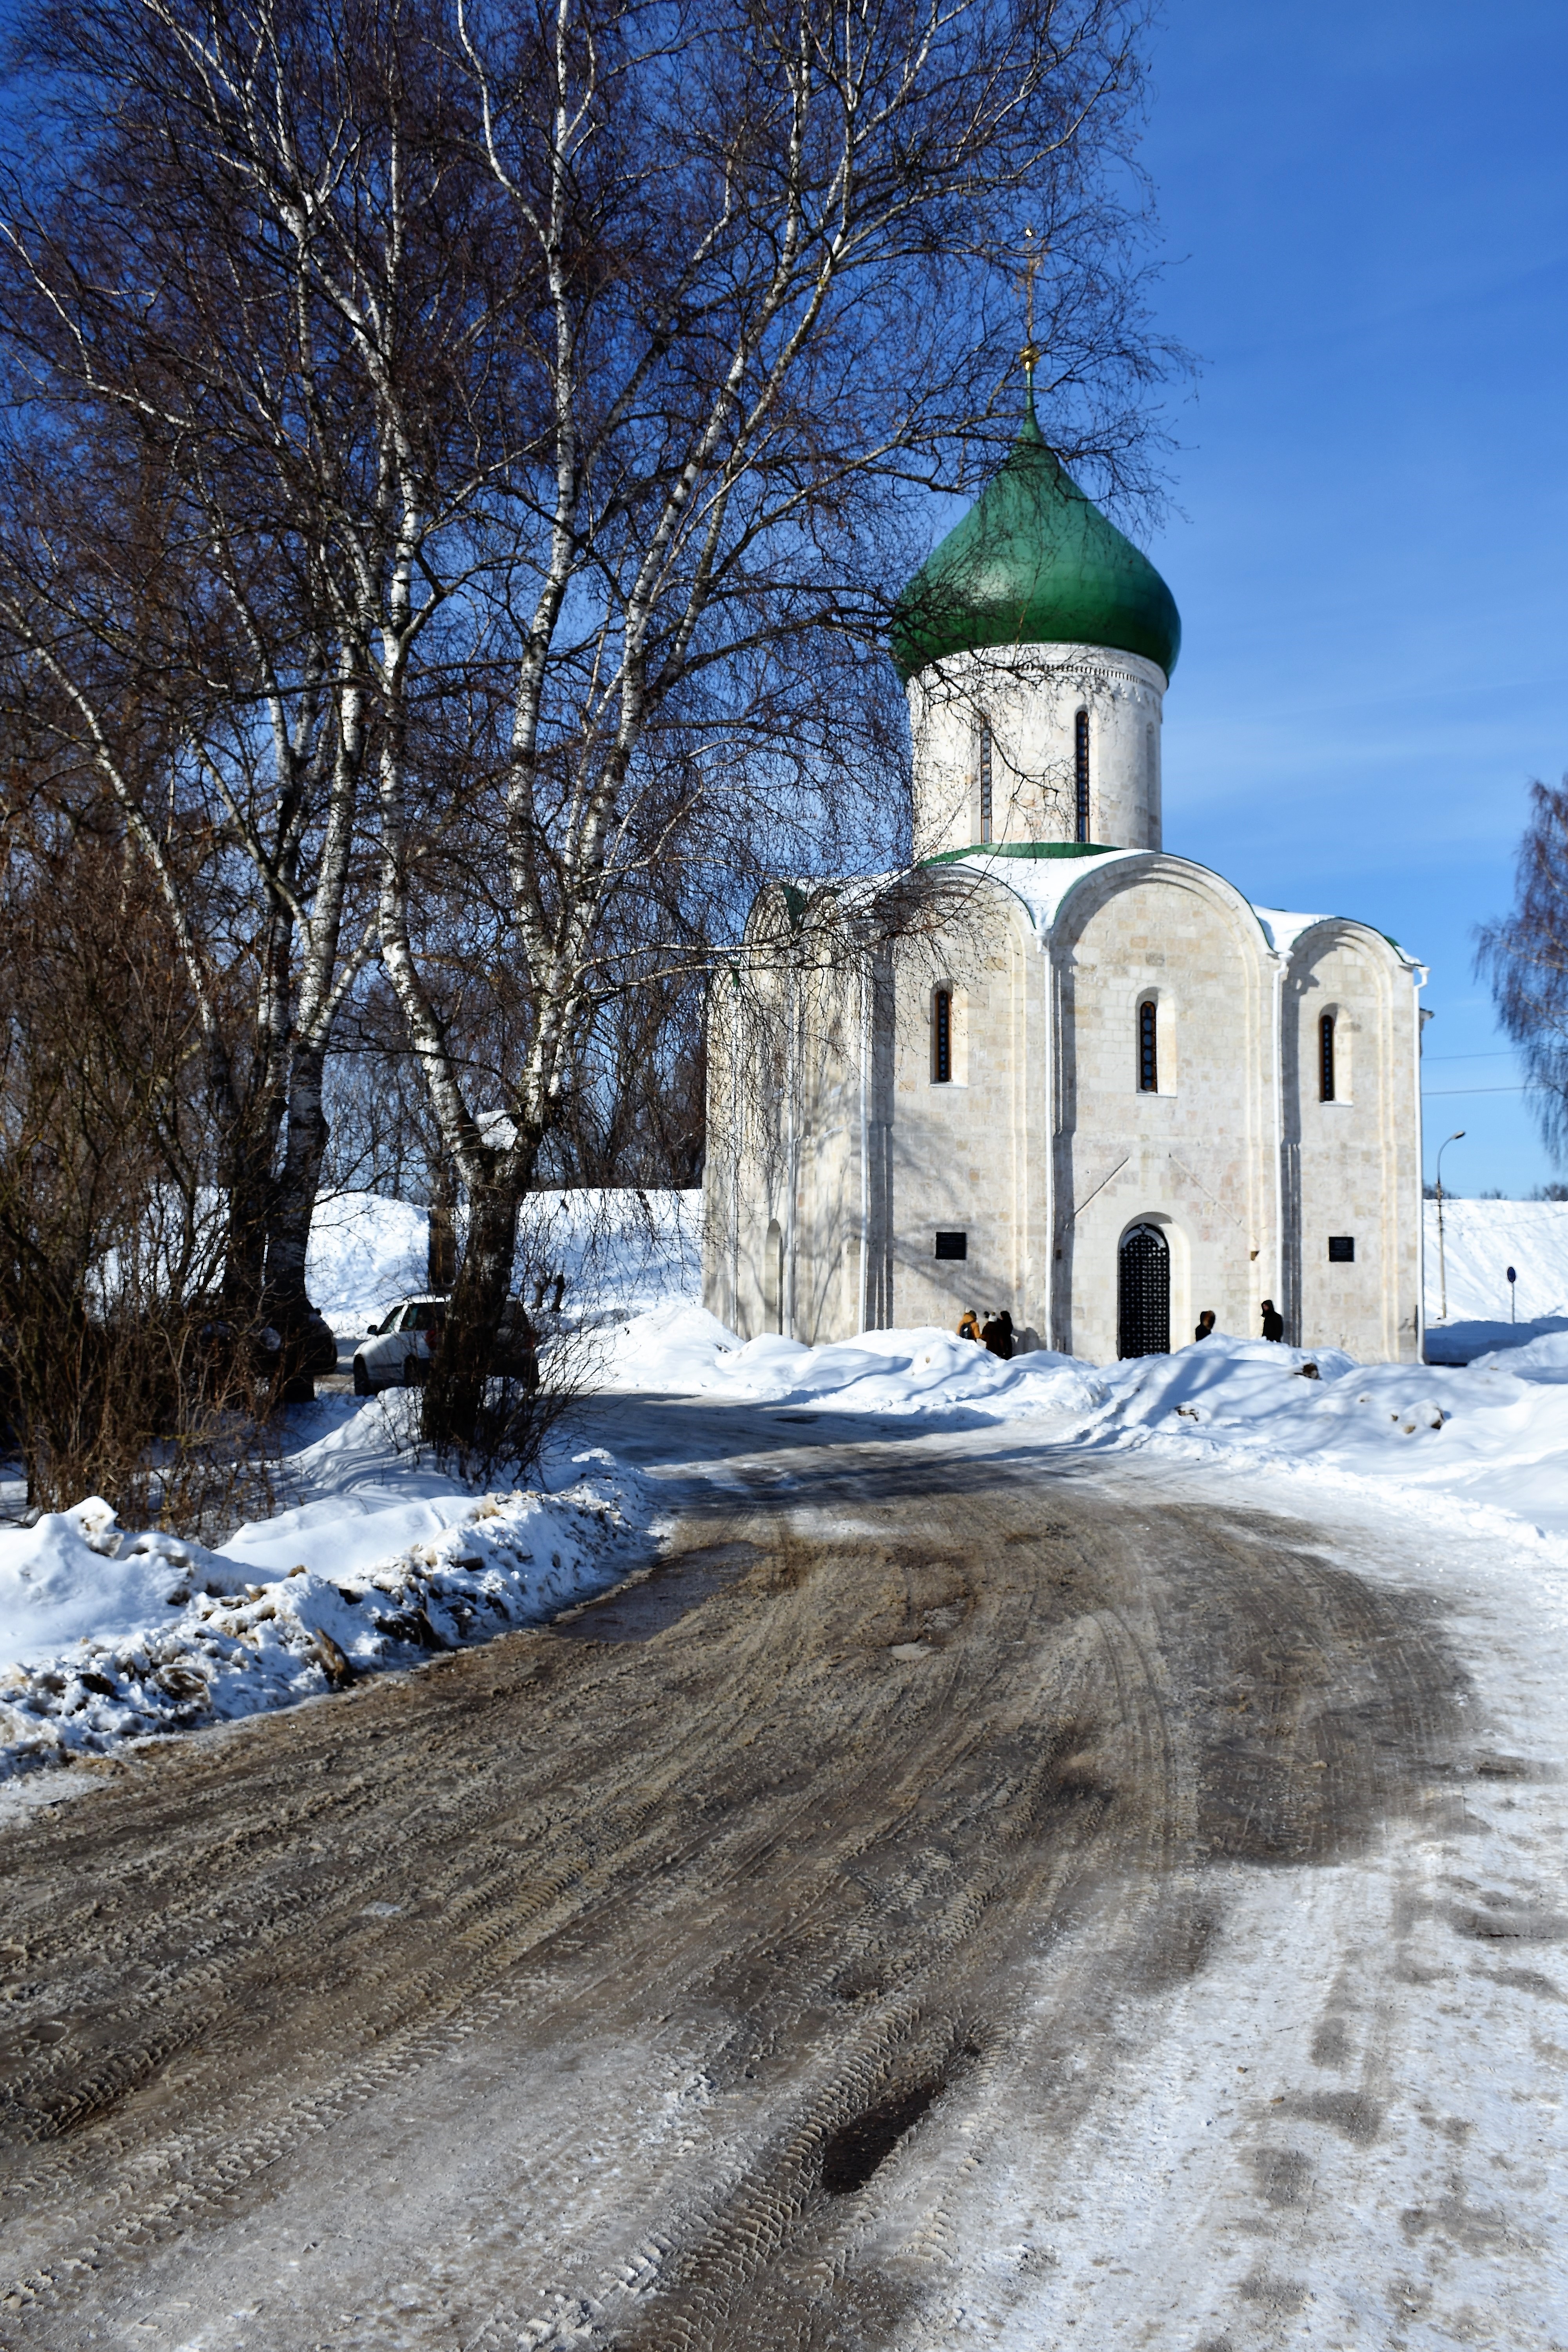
<point x="1326" y="1058"/>
<point x="941" y="1037"/>
<point x="985" y="803"/>
<point x="1148" y="1047"/>
<point x="1081" y="775"/>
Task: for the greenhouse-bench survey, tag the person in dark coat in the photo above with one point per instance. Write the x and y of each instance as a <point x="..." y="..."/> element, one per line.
<point x="997" y="1335"/>
<point x="1273" y="1321"/>
<point x="1205" y="1324"/>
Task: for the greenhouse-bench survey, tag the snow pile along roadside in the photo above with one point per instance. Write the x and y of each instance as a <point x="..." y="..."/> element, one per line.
<point x="1488" y="1439"/>
<point x="1491" y="1437"/>
<point x="685" y="1351"/>
<point x="110" y="1635"/>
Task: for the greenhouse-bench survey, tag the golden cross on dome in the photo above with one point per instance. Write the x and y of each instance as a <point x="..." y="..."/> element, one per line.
<point x="1034" y="254"/>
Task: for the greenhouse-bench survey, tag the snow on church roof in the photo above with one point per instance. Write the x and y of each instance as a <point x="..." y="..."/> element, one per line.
<point x="1282" y="930"/>
<point x="1039" y="873"/>
<point x="1042" y="874"/>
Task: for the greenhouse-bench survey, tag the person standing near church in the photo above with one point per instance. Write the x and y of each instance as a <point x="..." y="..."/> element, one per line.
<point x="1273" y="1321"/>
<point x="1205" y="1324"/>
<point x="997" y="1334"/>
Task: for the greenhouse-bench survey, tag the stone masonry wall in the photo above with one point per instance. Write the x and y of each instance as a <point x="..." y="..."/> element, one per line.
<point x="1043" y="1150"/>
<point x="1030" y="694"/>
<point x="1196" y="1158"/>
<point x="1359" y="1154"/>
<point x="961" y="1151"/>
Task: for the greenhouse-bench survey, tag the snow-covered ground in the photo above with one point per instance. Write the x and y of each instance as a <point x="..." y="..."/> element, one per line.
<point x="1480" y="1240"/>
<point x="681" y="1350"/>
<point x="108" y="1634"/>
<point x="1343" y="2131"/>
<point x="1491" y="1438"/>
<point x="620" y="1252"/>
<point x="111" y="1634"/>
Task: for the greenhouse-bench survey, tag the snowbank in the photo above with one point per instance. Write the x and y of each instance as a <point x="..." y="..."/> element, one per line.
<point x="685" y="1351"/>
<point x="1489" y="1438"/>
<point x="364" y="1252"/>
<point x="623" y="1251"/>
<point x="109" y="1635"/>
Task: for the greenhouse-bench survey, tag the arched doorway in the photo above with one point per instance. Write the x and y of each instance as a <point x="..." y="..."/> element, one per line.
<point x="1143" y="1293"/>
<point x="772" y="1277"/>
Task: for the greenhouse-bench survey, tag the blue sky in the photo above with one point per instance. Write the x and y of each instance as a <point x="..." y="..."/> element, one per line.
<point x="1366" y="212"/>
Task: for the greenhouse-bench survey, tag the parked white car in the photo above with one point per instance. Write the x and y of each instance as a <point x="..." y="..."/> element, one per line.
<point x="395" y="1352"/>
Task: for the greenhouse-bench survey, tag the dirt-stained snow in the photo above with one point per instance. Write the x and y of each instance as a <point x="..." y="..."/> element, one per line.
<point x="109" y="1633"/>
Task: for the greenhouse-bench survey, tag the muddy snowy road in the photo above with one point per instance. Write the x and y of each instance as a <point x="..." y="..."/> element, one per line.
<point x="972" y="1894"/>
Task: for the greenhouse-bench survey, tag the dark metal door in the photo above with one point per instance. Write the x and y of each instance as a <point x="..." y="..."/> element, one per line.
<point x="1143" y="1294"/>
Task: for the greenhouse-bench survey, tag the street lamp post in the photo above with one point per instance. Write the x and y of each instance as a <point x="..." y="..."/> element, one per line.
<point x="1458" y="1137"/>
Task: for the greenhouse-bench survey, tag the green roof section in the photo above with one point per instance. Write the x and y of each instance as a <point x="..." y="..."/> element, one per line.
<point x="1035" y="562"/>
<point x="1023" y="849"/>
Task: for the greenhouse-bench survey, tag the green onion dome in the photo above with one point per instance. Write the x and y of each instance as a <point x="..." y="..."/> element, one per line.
<point x="1035" y="562"/>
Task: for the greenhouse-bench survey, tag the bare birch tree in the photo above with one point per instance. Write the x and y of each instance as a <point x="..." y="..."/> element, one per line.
<point x="176" y="434"/>
<point x="767" y="237"/>
<point x="644" y="326"/>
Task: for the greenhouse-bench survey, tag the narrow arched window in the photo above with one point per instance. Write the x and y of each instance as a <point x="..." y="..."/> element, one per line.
<point x="941" y="1037"/>
<point x="1081" y="775"/>
<point x="1326" y="1058"/>
<point x="1148" y="1049"/>
<point x="985" y="780"/>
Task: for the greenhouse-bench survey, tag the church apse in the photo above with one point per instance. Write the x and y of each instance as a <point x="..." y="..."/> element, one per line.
<point x="1165" y="998"/>
<point x="1351" y="1141"/>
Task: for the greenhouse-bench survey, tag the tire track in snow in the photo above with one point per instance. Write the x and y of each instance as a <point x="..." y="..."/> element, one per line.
<point x="650" y="1922"/>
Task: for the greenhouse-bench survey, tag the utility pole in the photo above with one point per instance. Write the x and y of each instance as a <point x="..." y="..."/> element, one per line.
<point x="1458" y="1137"/>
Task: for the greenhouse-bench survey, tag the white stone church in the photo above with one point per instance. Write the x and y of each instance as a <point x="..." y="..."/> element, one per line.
<point x="1060" y="1070"/>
